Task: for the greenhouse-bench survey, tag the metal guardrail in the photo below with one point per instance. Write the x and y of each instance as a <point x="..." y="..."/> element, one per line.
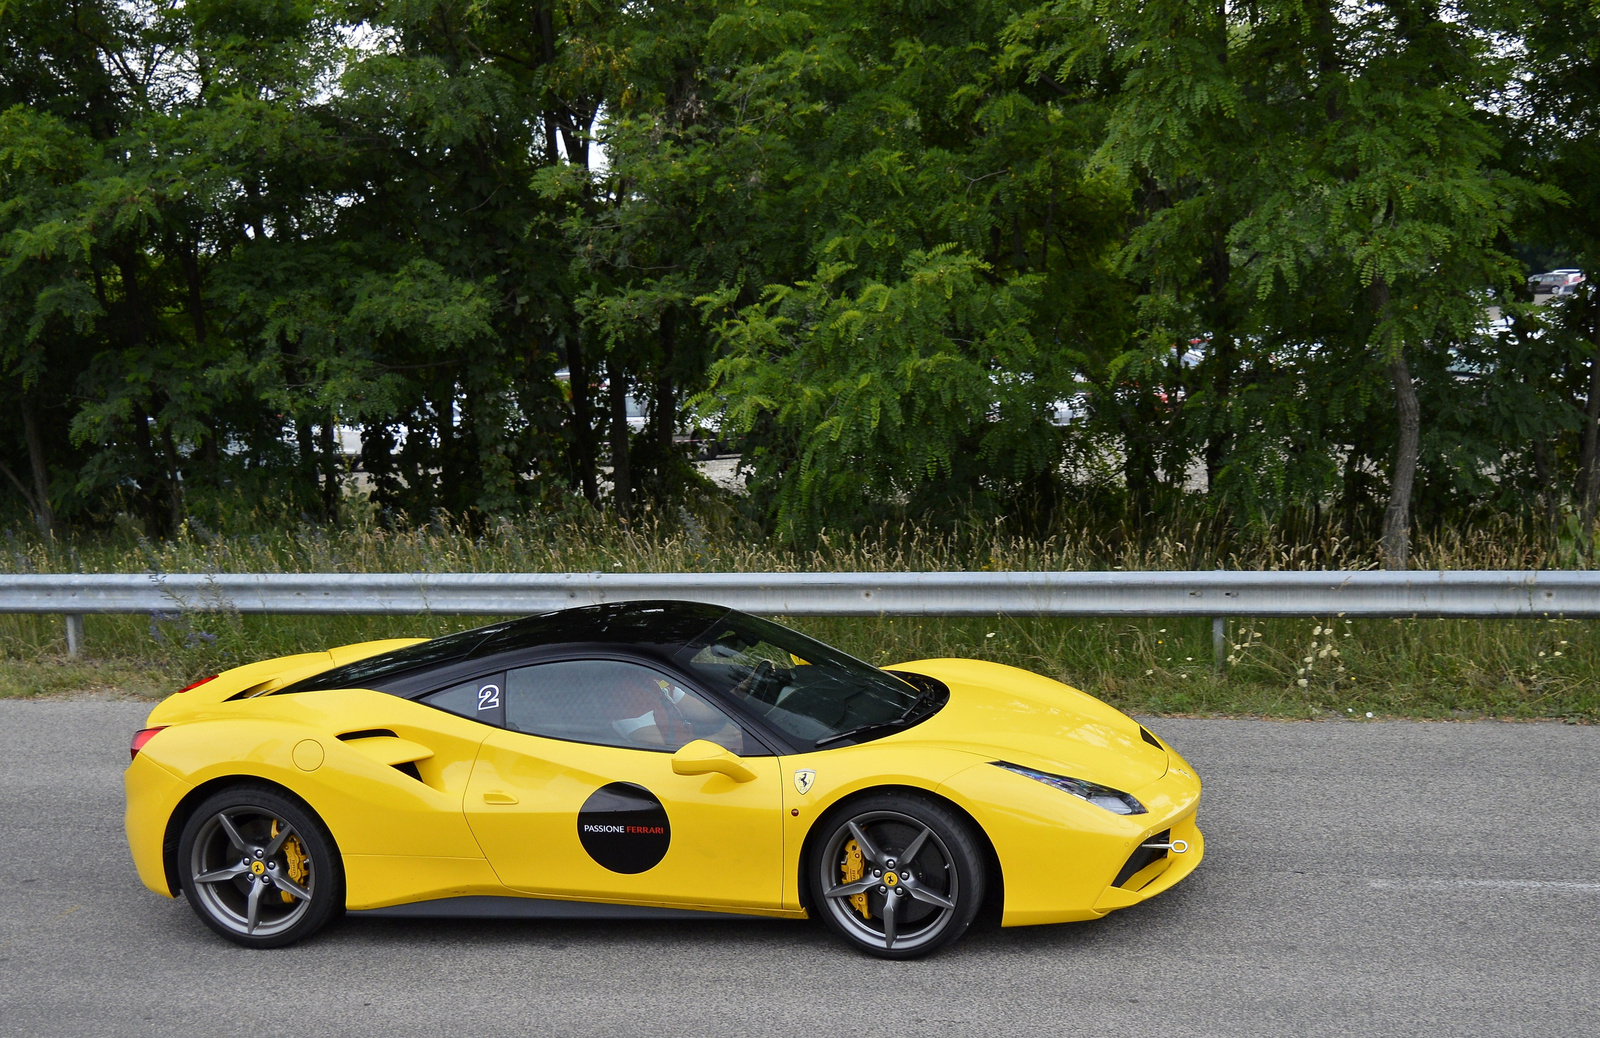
<point x="1371" y="593"/>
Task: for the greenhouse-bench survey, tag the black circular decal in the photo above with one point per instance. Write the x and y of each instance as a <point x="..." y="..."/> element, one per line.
<point x="624" y="827"/>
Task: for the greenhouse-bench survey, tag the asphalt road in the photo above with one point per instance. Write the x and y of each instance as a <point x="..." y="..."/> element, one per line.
<point x="1384" y="878"/>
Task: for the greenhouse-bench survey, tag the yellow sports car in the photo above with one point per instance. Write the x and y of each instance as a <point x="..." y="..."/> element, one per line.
<point x="646" y="759"/>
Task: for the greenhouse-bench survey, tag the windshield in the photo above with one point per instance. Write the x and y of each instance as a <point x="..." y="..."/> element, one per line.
<point x="800" y="686"/>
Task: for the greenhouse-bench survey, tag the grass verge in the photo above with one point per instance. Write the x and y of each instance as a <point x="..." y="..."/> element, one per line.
<point x="1280" y="668"/>
<point x="1283" y="668"/>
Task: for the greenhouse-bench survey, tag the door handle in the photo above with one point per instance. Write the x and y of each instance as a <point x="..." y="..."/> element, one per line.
<point x="494" y="796"/>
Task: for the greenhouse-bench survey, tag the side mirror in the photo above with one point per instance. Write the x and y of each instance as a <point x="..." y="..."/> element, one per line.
<point x="703" y="757"/>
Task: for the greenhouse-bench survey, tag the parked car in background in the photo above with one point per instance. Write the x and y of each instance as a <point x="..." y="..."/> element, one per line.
<point x="1552" y="280"/>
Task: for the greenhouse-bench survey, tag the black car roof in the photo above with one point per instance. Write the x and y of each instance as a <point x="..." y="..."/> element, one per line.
<point x="659" y="625"/>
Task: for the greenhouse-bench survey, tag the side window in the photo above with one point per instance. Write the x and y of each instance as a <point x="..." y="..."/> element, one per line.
<point x="614" y="704"/>
<point x="482" y="699"/>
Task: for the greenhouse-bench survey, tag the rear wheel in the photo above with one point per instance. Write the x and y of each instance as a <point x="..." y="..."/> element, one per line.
<point x="897" y="875"/>
<point x="258" y="868"/>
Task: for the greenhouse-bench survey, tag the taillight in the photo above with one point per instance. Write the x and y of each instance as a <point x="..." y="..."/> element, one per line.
<point x="197" y="684"/>
<point x="141" y="737"/>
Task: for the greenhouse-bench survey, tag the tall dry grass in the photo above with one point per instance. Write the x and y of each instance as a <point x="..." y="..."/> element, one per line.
<point x="1283" y="667"/>
<point x="685" y="543"/>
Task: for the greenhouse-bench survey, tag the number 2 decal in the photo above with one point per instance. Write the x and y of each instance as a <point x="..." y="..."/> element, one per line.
<point x="488" y="697"/>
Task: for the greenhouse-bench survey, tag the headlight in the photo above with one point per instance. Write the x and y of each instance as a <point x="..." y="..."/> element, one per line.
<point x="1113" y="800"/>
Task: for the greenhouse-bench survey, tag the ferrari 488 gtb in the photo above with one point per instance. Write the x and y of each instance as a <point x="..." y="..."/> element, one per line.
<point x="651" y="758"/>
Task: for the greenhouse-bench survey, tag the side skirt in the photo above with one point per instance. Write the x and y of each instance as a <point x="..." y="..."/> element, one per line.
<point x="488" y="907"/>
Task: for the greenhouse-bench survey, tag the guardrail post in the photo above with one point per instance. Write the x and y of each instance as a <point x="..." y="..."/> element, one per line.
<point x="1219" y="642"/>
<point x="74" y="634"/>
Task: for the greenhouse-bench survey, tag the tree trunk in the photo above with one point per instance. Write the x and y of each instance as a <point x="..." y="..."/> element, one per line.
<point x="1544" y="475"/>
<point x="189" y="259"/>
<point x="1589" y="454"/>
<point x="621" y="470"/>
<point x="666" y="414"/>
<point x="153" y="471"/>
<point x="252" y="190"/>
<point x="330" y="470"/>
<point x="1397" y="517"/>
<point x="1351" y="489"/>
<point x="1219" y="443"/>
<point x="146" y="475"/>
<point x="1138" y="464"/>
<point x="447" y="488"/>
<point x="212" y="452"/>
<point x="305" y="439"/>
<point x="582" y="423"/>
<point x="43" y="514"/>
<point x="175" y="506"/>
<point x="547" y="40"/>
<point x="1044" y="234"/>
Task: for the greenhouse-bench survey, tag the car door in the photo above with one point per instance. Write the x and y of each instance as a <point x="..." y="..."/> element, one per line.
<point x="582" y="794"/>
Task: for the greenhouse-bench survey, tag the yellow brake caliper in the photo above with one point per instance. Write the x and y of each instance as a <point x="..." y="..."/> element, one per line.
<point x="855" y="866"/>
<point x="295" y="856"/>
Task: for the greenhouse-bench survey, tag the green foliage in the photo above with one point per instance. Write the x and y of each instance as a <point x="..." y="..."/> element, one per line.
<point x="887" y="393"/>
<point x="922" y="260"/>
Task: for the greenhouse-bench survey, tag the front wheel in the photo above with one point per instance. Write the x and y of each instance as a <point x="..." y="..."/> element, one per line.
<point x="258" y="868"/>
<point x="897" y="875"/>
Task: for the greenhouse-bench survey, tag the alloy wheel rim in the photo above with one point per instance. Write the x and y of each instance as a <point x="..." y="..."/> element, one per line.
<point x="243" y="871"/>
<point x="909" y="881"/>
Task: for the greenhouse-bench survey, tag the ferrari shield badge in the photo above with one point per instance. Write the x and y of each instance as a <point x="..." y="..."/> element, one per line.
<point x="803" y="780"/>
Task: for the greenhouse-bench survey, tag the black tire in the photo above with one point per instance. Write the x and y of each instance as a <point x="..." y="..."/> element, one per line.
<point x="259" y="868"/>
<point x="906" y="915"/>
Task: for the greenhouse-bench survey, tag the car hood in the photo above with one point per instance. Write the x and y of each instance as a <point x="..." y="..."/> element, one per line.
<point x="1017" y="716"/>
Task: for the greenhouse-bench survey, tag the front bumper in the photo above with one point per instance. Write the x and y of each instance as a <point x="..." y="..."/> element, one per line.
<point x="1060" y="857"/>
<point x="1161" y="874"/>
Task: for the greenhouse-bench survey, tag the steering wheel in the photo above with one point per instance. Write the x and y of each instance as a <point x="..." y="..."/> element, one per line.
<point x="747" y="686"/>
